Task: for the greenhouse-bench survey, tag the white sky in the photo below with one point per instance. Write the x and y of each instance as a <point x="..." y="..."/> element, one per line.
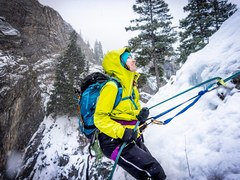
<point x="104" y="20"/>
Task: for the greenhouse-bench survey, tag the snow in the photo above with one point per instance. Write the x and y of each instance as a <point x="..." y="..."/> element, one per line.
<point x="59" y="149"/>
<point x="206" y="136"/>
<point x="60" y="152"/>
<point x="7" y="29"/>
<point x="17" y="67"/>
<point x="46" y="79"/>
<point x="14" y="162"/>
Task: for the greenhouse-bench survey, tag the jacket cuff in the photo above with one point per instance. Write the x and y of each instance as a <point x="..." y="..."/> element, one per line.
<point x="120" y="132"/>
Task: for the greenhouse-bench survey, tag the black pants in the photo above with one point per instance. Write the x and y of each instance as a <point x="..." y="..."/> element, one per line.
<point x="135" y="158"/>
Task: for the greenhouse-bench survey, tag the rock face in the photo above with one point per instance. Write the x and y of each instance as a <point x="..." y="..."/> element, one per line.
<point x="20" y="106"/>
<point x="31" y="37"/>
<point x="9" y="37"/>
<point x="43" y="31"/>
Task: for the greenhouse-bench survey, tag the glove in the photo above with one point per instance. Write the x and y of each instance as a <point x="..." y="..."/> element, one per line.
<point x="143" y="115"/>
<point x="129" y="135"/>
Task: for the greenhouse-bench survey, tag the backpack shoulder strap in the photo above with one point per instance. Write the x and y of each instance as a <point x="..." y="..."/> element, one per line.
<point x="119" y="93"/>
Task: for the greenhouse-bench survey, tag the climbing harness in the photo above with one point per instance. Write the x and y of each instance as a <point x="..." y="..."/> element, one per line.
<point x="218" y="82"/>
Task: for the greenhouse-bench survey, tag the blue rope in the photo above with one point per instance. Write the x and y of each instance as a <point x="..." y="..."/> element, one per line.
<point x="200" y="94"/>
<point x="171" y="109"/>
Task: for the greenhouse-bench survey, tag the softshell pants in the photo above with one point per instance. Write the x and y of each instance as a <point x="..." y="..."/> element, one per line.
<point x="135" y="158"/>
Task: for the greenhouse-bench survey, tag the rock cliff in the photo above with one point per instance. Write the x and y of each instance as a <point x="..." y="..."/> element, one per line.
<point x="43" y="31"/>
<point x="31" y="38"/>
<point x="21" y="110"/>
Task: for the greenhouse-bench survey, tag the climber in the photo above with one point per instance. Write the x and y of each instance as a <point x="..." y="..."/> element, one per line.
<point x="116" y="124"/>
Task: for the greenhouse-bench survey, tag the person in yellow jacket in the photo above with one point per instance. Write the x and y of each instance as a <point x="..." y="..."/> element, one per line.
<point x="116" y="124"/>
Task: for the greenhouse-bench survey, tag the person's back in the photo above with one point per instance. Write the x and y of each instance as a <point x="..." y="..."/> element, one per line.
<point x="116" y="124"/>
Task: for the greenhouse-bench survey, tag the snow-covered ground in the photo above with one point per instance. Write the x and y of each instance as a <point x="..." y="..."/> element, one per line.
<point x="202" y="143"/>
<point x="60" y="149"/>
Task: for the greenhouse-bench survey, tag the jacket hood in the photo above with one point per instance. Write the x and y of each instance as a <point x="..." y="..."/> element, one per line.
<point x="112" y="66"/>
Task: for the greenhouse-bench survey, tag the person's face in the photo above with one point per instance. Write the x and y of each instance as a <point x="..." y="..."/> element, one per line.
<point x="131" y="64"/>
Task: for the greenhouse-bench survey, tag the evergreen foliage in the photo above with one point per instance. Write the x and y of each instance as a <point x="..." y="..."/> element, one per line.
<point x="205" y="17"/>
<point x="156" y="36"/>
<point x="98" y="52"/>
<point x="221" y="11"/>
<point x="70" y="67"/>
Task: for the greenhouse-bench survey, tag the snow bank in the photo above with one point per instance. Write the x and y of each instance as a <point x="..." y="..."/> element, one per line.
<point x="202" y="143"/>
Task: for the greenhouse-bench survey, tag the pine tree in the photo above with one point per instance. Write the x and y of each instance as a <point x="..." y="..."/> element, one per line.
<point x="154" y="43"/>
<point x="204" y="18"/>
<point x="196" y="26"/>
<point x="70" y="66"/>
<point x="221" y="10"/>
<point x="98" y="52"/>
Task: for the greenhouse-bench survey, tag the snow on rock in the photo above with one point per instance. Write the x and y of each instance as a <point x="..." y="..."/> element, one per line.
<point x="58" y="152"/>
<point x="6" y="29"/>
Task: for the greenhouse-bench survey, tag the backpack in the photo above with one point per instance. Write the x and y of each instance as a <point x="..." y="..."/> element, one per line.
<point x="90" y="91"/>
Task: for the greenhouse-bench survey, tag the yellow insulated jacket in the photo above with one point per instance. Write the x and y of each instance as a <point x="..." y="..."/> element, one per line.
<point x="105" y="116"/>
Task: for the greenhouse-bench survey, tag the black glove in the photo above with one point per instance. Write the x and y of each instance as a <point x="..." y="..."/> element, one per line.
<point x="143" y="115"/>
<point x="129" y="135"/>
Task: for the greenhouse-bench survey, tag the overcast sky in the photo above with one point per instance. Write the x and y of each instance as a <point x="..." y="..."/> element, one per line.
<point x="105" y="20"/>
